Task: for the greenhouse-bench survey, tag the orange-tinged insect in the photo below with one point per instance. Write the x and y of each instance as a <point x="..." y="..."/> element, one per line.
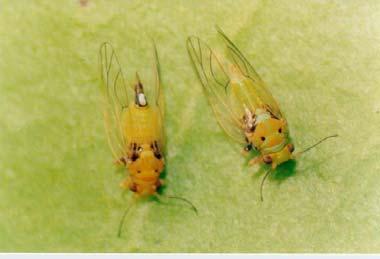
<point x="134" y="126"/>
<point x="242" y="104"/>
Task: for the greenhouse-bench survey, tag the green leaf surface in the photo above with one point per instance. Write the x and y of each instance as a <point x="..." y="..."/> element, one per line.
<point x="59" y="191"/>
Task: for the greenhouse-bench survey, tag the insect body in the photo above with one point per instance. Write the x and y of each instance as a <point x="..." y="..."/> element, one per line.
<point x="243" y="106"/>
<point x="262" y="124"/>
<point x="133" y="125"/>
<point x="144" y="159"/>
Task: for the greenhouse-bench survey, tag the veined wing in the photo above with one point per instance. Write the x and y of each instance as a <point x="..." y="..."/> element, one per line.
<point x="115" y="99"/>
<point x="215" y="81"/>
<point x="159" y="97"/>
<point x="258" y="87"/>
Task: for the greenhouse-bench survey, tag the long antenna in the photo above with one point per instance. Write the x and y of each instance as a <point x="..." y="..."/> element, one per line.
<point x="182" y="199"/>
<point x="123" y="219"/>
<point x="262" y="183"/>
<point x="185" y="200"/>
<point x="316" y="144"/>
<point x="299" y="153"/>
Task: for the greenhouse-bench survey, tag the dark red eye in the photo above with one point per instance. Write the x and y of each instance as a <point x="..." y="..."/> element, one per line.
<point x="279" y="130"/>
<point x="262" y="138"/>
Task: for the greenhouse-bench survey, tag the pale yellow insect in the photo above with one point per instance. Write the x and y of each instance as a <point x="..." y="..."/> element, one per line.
<point x="134" y="125"/>
<point x="242" y="104"/>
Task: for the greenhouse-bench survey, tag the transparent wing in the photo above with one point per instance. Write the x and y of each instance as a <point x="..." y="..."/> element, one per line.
<point x="115" y="99"/>
<point x="159" y="97"/>
<point x="258" y="86"/>
<point x="215" y="82"/>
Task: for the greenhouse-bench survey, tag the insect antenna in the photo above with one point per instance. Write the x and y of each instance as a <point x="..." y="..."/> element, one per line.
<point x="186" y="201"/>
<point x="262" y="184"/>
<point x="316" y="144"/>
<point x="181" y="199"/>
<point x="122" y="220"/>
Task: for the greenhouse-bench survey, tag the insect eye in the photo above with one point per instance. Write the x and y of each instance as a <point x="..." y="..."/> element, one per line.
<point x="279" y="130"/>
<point x="262" y="138"/>
<point x="156" y="171"/>
<point x="248" y="147"/>
<point x="138" y="171"/>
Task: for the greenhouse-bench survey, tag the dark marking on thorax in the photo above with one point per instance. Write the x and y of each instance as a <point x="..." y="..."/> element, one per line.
<point x="156" y="150"/>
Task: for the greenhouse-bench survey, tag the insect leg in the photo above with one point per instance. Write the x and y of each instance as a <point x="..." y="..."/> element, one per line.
<point x="133" y="153"/>
<point x="256" y="160"/>
<point x="160" y="183"/>
<point x="156" y="150"/>
<point x="121" y="161"/>
<point x="126" y="183"/>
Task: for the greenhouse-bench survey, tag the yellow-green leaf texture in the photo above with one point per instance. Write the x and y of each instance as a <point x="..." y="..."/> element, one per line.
<point x="59" y="191"/>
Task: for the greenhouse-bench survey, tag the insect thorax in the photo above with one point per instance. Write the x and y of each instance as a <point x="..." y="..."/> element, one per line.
<point x="264" y="131"/>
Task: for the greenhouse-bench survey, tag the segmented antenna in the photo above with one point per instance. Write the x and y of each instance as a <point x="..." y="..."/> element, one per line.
<point x="262" y="184"/>
<point x="123" y="219"/>
<point x="316" y="144"/>
<point x="296" y="155"/>
<point x="185" y="200"/>
<point x="182" y="199"/>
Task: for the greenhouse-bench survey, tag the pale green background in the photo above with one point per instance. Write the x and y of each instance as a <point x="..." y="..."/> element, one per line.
<point x="59" y="190"/>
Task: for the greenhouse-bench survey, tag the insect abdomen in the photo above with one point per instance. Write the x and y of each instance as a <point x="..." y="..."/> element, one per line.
<point x="142" y="124"/>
